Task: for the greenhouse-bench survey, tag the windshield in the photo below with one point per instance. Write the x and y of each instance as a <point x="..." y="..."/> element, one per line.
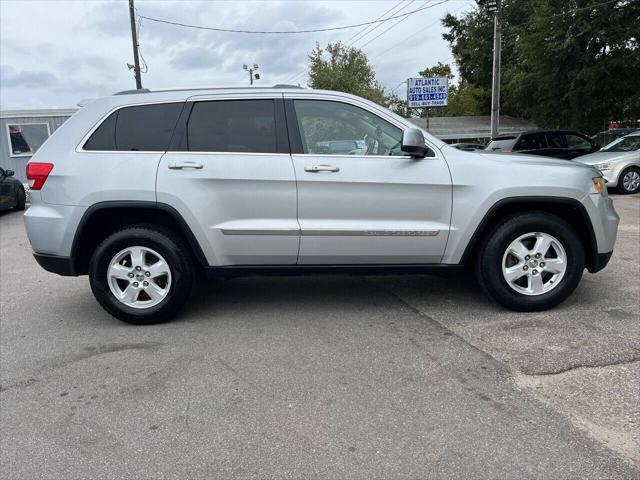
<point x="501" y="144"/>
<point x="624" y="144"/>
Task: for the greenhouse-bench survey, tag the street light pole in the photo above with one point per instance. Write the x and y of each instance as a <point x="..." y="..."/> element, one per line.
<point x="495" y="7"/>
<point x="495" y="87"/>
<point x="134" y="39"/>
<point x="251" y="74"/>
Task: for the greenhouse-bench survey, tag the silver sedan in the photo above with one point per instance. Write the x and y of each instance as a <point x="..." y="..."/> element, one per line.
<point x="619" y="162"/>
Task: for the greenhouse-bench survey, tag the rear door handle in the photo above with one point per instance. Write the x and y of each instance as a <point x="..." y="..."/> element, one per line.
<point x="321" y="168"/>
<point x="183" y="165"/>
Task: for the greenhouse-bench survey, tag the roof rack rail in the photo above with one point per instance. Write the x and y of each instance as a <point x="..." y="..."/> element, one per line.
<point x="132" y="92"/>
<point x="244" y="87"/>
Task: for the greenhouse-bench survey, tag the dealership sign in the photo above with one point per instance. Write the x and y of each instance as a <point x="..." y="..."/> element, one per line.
<point x="427" y="92"/>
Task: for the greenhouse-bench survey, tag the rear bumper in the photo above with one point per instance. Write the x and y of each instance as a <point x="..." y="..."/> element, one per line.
<point x="55" y="264"/>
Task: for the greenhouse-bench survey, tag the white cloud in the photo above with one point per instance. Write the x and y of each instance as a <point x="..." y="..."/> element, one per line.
<point x="52" y="54"/>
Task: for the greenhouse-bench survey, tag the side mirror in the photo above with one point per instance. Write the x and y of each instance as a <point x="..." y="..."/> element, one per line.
<point x="413" y="143"/>
<point x="9" y="173"/>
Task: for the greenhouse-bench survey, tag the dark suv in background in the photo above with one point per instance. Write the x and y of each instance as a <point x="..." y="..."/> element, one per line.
<point x="565" y="144"/>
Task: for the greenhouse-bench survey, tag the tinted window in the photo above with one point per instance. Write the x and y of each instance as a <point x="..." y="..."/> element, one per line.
<point x="341" y="129"/>
<point x="501" y="144"/>
<point x="576" y="141"/>
<point x="233" y="126"/>
<point x="140" y="128"/>
<point x="530" y="142"/>
<point x="555" y="140"/>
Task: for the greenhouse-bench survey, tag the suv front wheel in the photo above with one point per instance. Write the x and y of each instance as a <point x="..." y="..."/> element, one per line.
<point x="530" y="262"/>
<point x="141" y="274"/>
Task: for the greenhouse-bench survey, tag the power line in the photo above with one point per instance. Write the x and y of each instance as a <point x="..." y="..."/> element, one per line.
<point x="405" y="15"/>
<point x="399" y="21"/>
<point x="278" y="32"/>
<point x="422" y="30"/>
<point x="367" y="27"/>
<point x="382" y="23"/>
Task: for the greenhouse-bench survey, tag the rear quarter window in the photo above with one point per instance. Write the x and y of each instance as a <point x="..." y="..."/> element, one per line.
<point x="138" y="128"/>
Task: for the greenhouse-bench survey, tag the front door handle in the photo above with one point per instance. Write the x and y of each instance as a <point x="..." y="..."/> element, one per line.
<point x="321" y="168"/>
<point x="180" y="166"/>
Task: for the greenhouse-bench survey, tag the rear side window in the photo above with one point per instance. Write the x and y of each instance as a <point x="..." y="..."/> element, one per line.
<point x="555" y="140"/>
<point x="141" y="128"/>
<point x="247" y="126"/>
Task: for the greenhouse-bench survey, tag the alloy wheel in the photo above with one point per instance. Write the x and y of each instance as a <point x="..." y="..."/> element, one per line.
<point x="631" y="181"/>
<point x="139" y="277"/>
<point x="534" y="263"/>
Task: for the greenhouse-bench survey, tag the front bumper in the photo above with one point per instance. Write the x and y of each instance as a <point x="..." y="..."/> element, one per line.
<point x="55" y="264"/>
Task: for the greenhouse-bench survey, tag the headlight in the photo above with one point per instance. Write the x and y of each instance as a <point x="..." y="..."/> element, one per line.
<point x="602" y="166"/>
<point x="600" y="186"/>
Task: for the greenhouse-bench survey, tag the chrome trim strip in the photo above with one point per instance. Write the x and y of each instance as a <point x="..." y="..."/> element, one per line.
<point x="369" y="233"/>
<point x="331" y="233"/>
<point x="258" y="231"/>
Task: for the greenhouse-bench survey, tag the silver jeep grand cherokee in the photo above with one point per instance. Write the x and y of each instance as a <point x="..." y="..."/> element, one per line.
<point x="142" y="190"/>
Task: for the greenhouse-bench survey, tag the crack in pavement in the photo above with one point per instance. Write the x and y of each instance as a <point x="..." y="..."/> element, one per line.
<point x="576" y="367"/>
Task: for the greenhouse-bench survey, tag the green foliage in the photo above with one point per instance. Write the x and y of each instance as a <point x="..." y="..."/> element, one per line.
<point x="344" y="69"/>
<point x="561" y="67"/>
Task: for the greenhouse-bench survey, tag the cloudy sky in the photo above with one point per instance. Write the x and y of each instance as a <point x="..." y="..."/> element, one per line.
<point x="55" y="53"/>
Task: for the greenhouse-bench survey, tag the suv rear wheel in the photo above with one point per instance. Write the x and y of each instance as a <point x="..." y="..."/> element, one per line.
<point x="531" y="262"/>
<point x="141" y="274"/>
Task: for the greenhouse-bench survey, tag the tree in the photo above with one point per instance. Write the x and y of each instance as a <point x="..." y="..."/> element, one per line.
<point x="565" y="63"/>
<point x="345" y="69"/>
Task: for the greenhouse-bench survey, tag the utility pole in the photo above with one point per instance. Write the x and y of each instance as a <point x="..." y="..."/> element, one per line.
<point x="134" y="39"/>
<point x="495" y="7"/>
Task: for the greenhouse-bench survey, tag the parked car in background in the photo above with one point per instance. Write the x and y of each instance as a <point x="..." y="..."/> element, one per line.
<point x="619" y="163"/>
<point x="565" y="144"/>
<point x="12" y="194"/>
<point x="143" y="190"/>
<point x="469" y="147"/>
<point x="608" y="136"/>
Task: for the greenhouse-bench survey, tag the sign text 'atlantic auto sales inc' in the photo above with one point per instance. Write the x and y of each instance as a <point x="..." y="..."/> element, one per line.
<point x="427" y="92"/>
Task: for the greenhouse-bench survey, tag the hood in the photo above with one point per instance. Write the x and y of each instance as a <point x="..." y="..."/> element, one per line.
<point x="530" y="160"/>
<point x="599" y="157"/>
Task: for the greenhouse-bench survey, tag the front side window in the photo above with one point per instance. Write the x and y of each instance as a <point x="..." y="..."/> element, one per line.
<point x="578" y="142"/>
<point x="336" y="128"/>
<point x="25" y="139"/>
<point x="247" y="126"/>
<point x="145" y="128"/>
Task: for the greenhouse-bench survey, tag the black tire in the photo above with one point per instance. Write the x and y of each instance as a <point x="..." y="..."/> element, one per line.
<point x="620" y="188"/>
<point x="490" y="257"/>
<point x="20" y="200"/>
<point x="170" y="246"/>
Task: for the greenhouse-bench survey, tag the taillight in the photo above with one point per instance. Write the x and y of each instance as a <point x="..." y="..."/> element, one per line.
<point x="37" y="174"/>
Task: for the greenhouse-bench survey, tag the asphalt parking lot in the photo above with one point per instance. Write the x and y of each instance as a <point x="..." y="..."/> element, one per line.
<point x="323" y="377"/>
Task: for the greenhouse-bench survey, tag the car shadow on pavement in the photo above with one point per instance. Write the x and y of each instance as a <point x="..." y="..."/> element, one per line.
<point x="264" y="295"/>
